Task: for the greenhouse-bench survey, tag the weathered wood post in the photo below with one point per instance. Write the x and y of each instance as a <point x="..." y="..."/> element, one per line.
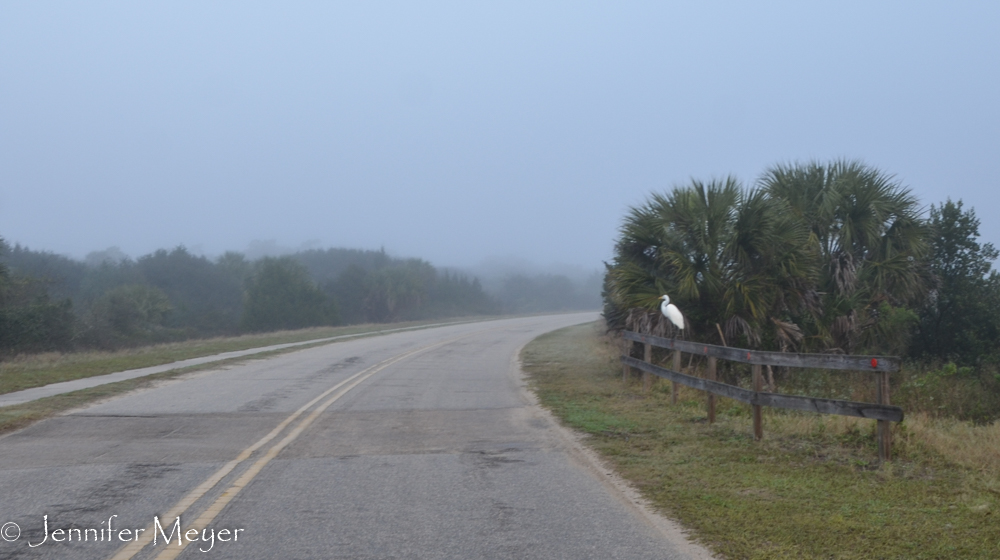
<point x="628" y="353"/>
<point x="711" y="376"/>
<point x="625" y="370"/>
<point x="758" y="423"/>
<point x="647" y="356"/>
<point x="673" y="384"/>
<point x="883" y="427"/>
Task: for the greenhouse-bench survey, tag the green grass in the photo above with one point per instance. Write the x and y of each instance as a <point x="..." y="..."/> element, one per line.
<point x="28" y="371"/>
<point x="810" y="489"/>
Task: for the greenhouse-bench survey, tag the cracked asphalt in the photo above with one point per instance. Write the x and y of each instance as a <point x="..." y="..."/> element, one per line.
<point x="440" y="454"/>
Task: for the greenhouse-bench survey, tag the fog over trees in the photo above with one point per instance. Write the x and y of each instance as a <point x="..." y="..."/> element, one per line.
<point x="109" y="300"/>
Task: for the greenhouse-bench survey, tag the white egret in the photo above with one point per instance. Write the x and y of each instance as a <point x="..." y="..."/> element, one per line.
<point x="671" y="312"/>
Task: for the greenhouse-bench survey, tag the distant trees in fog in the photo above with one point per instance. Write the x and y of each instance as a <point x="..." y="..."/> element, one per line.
<point x="30" y="320"/>
<point x="521" y="293"/>
<point x="108" y="300"/>
<point x="280" y="295"/>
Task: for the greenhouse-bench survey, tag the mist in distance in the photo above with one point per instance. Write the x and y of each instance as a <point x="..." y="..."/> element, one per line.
<point x="465" y="135"/>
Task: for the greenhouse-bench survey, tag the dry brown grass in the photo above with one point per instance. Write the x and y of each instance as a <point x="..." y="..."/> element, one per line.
<point x="961" y="443"/>
<point x="931" y="401"/>
<point x="965" y="444"/>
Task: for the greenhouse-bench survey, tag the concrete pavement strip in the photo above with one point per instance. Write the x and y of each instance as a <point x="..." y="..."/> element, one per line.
<point x="35" y="393"/>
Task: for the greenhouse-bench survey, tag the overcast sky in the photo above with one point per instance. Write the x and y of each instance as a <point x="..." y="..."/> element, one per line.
<point x="458" y="131"/>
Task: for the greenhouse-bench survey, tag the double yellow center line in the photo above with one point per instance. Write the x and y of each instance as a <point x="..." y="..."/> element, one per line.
<point x="339" y="390"/>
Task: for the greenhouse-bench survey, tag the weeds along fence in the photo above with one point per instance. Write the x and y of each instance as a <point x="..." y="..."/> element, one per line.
<point x="880" y="366"/>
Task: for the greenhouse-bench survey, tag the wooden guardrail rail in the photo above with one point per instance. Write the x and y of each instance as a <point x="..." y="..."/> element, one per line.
<point x="881" y="366"/>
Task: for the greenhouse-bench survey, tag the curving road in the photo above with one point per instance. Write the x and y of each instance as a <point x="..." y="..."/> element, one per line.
<point x="420" y="444"/>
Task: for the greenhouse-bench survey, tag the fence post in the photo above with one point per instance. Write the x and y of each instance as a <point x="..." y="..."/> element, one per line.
<point x="758" y="385"/>
<point x="628" y="353"/>
<point x="710" y="375"/>
<point x="647" y="356"/>
<point x="673" y="384"/>
<point x="883" y="428"/>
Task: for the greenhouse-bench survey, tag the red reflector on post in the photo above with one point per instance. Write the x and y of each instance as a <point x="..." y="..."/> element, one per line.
<point x="874" y="363"/>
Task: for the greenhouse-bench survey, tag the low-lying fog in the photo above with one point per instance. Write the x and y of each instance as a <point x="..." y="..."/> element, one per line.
<point x="464" y="133"/>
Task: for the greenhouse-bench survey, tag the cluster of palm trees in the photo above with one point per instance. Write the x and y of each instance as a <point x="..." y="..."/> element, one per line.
<point x="812" y="257"/>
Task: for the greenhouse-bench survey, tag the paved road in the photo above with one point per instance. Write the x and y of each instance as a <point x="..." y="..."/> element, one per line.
<point x="35" y="393"/>
<point x="418" y="444"/>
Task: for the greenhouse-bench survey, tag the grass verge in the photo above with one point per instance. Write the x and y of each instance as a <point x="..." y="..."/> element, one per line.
<point x="36" y="370"/>
<point x="811" y="489"/>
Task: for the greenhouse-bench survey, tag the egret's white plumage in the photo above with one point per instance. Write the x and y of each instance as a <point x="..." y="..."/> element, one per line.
<point x="671" y="312"/>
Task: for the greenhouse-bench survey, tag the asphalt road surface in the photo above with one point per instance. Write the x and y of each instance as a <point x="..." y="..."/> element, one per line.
<point x="420" y="444"/>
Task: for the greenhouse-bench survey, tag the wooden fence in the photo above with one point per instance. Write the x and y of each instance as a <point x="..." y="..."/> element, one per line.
<point x="881" y="366"/>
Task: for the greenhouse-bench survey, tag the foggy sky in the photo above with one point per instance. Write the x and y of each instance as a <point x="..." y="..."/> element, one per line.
<point x="457" y="132"/>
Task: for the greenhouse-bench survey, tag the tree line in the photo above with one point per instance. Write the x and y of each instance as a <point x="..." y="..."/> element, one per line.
<point x="108" y="300"/>
<point x="52" y="302"/>
<point x="815" y="257"/>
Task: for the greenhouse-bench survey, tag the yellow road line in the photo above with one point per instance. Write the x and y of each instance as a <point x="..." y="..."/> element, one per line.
<point x="133" y="547"/>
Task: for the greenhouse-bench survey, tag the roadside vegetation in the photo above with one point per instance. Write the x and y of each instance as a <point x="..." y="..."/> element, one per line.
<point x="108" y="301"/>
<point x="53" y="303"/>
<point x="831" y="257"/>
<point x="821" y="257"/>
<point x="811" y="489"/>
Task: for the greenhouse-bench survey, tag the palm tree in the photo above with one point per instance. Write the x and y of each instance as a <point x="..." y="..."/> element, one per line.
<point x="872" y="247"/>
<point x="737" y="263"/>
